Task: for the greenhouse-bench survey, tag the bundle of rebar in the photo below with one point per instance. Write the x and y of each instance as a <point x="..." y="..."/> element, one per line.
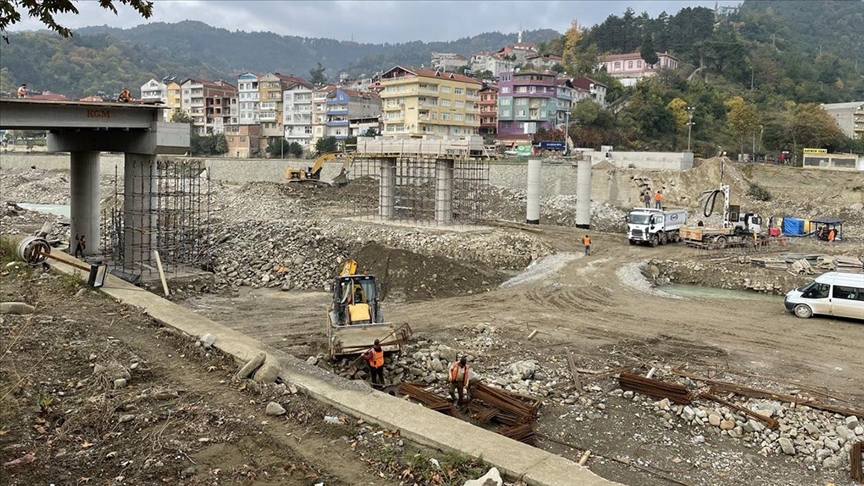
<point x="431" y="400"/>
<point x="522" y="433"/>
<point x="481" y="414"/>
<point x="658" y="389"/>
<point x="513" y="409"/>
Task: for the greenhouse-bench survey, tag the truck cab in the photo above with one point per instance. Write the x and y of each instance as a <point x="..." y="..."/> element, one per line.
<point x="655" y="226"/>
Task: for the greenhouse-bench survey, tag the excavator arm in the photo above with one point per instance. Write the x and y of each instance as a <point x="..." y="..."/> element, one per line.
<point x="314" y="172"/>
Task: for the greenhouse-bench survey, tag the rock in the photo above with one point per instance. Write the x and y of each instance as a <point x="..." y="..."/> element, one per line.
<point x="831" y="444"/>
<point x="756" y="425"/>
<point x="274" y="409"/>
<point x="436" y="365"/>
<point x="99" y="368"/>
<point x="491" y="478"/>
<point x="664" y="404"/>
<point x="736" y="433"/>
<point x="207" y="340"/>
<point x="714" y="419"/>
<point x="628" y="394"/>
<point x="859" y="430"/>
<point x="430" y="378"/>
<point x="119" y="383"/>
<point x="821" y="454"/>
<point x="447" y="353"/>
<point x="267" y="373"/>
<point x="844" y="433"/>
<point x="127" y="417"/>
<point x="812" y="430"/>
<point x="80" y="292"/>
<point x="523" y="369"/>
<point x="249" y="368"/>
<point x="688" y="413"/>
<point x="189" y="472"/>
<point x="832" y="462"/>
<point x="16" y="308"/>
<point x="312" y="360"/>
<point x="786" y="446"/>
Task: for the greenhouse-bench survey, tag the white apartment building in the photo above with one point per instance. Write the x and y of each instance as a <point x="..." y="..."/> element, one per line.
<point x="448" y="61"/>
<point x="492" y="62"/>
<point x="248" y="109"/>
<point x="319" y="113"/>
<point x="297" y="114"/>
<point x="156" y="91"/>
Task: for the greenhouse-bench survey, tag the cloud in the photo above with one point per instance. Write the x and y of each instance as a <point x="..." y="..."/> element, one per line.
<point x="372" y="21"/>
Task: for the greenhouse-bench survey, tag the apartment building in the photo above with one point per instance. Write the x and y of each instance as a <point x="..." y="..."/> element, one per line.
<point x="630" y="68"/>
<point x="448" y="61"/>
<point x="527" y="101"/>
<point x="247" y="99"/>
<point x="488" y="110"/>
<point x="493" y="62"/>
<point x="849" y="117"/>
<point x="243" y="140"/>
<point x="153" y="91"/>
<point x="521" y="51"/>
<point x="297" y="113"/>
<point x="563" y="101"/>
<point x="271" y="87"/>
<point x="587" y="88"/>
<point x="319" y="113"/>
<point x="173" y="98"/>
<point x="208" y="103"/>
<point x="420" y="101"/>
<point x="544" y="62"/>
<point x="344" y="105"/>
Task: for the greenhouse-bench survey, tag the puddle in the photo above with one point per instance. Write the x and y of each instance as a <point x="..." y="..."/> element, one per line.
<point x="686" y="290"/>
<point x="55" y="209"/>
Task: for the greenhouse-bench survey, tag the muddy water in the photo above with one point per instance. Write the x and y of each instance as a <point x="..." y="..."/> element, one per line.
<point x="686" y="290"/>
<point x="55" y="209"/>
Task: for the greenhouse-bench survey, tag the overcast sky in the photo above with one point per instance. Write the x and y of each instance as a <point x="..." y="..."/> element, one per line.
<point x="373" y="21"/>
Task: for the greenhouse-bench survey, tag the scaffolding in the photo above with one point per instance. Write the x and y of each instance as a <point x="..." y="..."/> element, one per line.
<point x="420" y="190"/>
<point x="162" y="206"/>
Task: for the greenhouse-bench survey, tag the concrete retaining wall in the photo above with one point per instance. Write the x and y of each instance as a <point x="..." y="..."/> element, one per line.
<point x="644" y="160"/>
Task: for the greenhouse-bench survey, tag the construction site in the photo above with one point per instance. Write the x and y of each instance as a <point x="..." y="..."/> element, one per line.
<point x="662" y="356"/>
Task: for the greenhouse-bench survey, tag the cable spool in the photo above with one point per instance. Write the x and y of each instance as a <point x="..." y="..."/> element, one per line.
<point x="34" y="250"/>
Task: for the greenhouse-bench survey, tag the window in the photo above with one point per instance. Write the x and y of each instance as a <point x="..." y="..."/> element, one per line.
<point x="459" y="104"/>
<point x="521" y="101"/>
<point x="817" y="291"/>
<point x="445" y="89"/>
<point x="639" y="64"/>
<point x="532" y="89"/>
<point x="520" y="113"/>
<point x="848" y="293"/>
<point x="629" y="64"/>
<point x="617" y="65"/>
<point x="521" y="89"/>
<point x="445" y="102"/>
<point x="506" y="113"/>
<point x="505" y="89"/>
<point x="458" y="91"/>
<point x="445" y="116"/>
<point x="458" y="117"/>
<point x="505" y="77"/>
<point x="505" y="101"/>
<point x="307" y="130"/>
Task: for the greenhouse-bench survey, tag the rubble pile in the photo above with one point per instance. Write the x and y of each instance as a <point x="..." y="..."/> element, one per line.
<point x="731" y="277"/>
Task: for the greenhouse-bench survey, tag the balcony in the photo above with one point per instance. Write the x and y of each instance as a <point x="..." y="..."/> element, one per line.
<point x="394" y="107"/>
<point x="267" y="117"/>
<point x="337" y="123"/>
<point x="337" y="110"/>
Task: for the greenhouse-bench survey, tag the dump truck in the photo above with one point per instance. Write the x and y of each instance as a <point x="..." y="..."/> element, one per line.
<point x="738" y="228"/>
<point x="655" y="226"/>
<point x="313" y="173"/>
<point x="355" y="317"/>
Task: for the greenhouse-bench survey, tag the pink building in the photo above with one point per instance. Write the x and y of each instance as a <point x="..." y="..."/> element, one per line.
<point x="630" y="68"/>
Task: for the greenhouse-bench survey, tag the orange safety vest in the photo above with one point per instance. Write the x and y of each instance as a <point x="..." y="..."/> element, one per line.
<point x="586" y="241"/>
<point x="658" y="197"/>
<point x="454" y="370"/>
<point x="377" y="360"/>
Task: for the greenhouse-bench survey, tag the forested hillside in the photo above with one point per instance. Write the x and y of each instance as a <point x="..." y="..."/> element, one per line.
<point x="104" y="58"/>
<point x="754" y="78"/>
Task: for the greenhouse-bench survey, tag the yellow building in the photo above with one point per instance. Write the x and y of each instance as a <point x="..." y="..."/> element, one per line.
<point x="270" y="89"/>
<point x="428" y="102"/>
<point x="172" y="99"/>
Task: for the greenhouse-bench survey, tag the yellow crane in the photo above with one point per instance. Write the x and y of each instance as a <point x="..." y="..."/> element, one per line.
<point x="313" y="174"/>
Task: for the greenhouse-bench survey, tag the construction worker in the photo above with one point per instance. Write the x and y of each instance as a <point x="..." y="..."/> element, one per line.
<point x="831" y="235"/>
<point x="80" y="246"/>
<point x="22" y="91"/>
<point x="587" y="242"/>
<point x="646" y="197"/>
<point x="657" y="200"/>
<point x="459" y="378"/>
<point x="125" y="95"/>
<point x="375" y="358"/>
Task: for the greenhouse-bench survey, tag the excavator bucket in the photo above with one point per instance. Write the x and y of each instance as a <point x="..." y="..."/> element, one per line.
<point x="341" y="179"/>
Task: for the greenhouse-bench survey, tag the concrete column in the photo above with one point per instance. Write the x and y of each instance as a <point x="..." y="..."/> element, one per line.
<point x="139" y="209"/>
<point x="84" y="207"/>
<point x="533" y="192"/>
<point x="444" y="191"/>
<point x="583" y="193"/>
<point x="387" y="188"/>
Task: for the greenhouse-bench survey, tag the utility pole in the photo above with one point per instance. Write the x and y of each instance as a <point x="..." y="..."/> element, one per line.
<point x="690" y="110"/>
<point x="751" y="78"/>
<point x="566" y="132"/>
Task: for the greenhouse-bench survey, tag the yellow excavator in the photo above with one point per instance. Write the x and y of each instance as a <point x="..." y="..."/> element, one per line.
<point x="355" y="319"/>
<point x="313" y="174"/>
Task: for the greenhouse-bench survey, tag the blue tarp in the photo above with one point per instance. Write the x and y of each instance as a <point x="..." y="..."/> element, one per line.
<point x="793" y="226"/>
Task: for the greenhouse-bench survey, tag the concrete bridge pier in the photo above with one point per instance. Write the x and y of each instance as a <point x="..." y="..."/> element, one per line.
<point x="85" y="199"/>
<point x="387" y="188"/>
<point x="444" y="191"/>
<point x="140" y="207"/>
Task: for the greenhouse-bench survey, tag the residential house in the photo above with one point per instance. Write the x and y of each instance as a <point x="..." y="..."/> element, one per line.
<point x="419" y="101"/>
<point x="520" y="51"/>
<point x="448" y="61"/>
<point x="271" y="87"/>
<point x="173" y="98"/>
<point x="247" y="99"/>
<point x="244" y="141"/>
<point x="849" y="117"/>
<point x="527" y="101"/>
<point x="493" y="62"/>
<point x="154" y="91"/>
<point x="544" y="62"/>
<point x="345" y="105"/>
<point x="563" y="101"/>
<point x="208" y="103"/>
<point x="630" y="68"/>
<point x="297" y="113"/>
<point x="587" y="88"/>
<point x="319" y="113"/>
<point x="488" y="110"/>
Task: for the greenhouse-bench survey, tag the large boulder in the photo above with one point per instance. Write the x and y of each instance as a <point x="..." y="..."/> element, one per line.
<point x="491" y="478"/>
<point x="523" y="370"/>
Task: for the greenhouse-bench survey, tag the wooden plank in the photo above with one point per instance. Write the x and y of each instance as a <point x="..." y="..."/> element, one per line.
<point x="770" y="422"/>
<point x="755" y="393"/>
<point x="574" y="371"/>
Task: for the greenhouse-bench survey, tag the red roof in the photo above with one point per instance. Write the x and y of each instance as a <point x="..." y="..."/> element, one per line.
<point x="431" y="73"/>
<point x="585" y="83"/>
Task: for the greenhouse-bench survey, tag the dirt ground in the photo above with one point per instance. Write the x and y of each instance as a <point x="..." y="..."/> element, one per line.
<point x="598" y="307"/>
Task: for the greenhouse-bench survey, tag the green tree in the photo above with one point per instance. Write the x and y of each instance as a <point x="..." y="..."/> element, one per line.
<point x="295" y="149"/>
<point x="316" y="75"/>
<point x="45" y="10"/>
<point x="220" y="143"/>
<point x="648" y="52"/>
<point x="742" y="120"/>
<point x="277" y="147"/>
<point x="180" y="117"/>
<point x="371" y="132"/>
<point x="326" y="145"/>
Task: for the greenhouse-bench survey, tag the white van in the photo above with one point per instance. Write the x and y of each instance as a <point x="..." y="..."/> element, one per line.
<point x="831" y="294"/>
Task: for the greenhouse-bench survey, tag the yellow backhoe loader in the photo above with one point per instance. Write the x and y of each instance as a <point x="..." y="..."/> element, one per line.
<point x="313" y="174"/>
